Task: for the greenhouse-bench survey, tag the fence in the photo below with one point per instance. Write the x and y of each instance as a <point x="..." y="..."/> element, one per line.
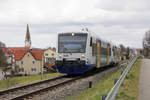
<point x="113" y="92"/>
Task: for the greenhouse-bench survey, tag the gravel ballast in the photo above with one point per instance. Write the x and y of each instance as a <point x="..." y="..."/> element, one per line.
<point x="72" y="89"/>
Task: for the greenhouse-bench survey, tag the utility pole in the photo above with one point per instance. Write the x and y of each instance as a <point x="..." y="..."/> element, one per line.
<point x="42" y="62"/>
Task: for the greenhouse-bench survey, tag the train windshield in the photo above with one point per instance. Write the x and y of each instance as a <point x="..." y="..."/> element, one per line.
<point x="72" y="43"/>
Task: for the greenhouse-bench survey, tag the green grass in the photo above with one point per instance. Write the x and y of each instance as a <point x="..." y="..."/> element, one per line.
<point x="130" y="89"/>
<point x="24" y="80"/>
<point x="105" y="85"/>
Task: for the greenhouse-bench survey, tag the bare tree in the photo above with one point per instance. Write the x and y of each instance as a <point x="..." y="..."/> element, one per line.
<point x="146" y="44"/>
<point x="128" y="53"/>
<point x="123" y="51"/>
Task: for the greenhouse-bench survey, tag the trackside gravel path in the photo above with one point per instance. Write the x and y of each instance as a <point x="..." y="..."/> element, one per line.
<point x="144" y="83"/>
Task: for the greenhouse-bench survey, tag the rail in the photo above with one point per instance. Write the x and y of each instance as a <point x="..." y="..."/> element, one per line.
<point x="30" y="84"/>
<point x="113" y="92"/>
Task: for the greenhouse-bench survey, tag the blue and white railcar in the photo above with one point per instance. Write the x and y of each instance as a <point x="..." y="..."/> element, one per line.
<point x="78" y="52"/>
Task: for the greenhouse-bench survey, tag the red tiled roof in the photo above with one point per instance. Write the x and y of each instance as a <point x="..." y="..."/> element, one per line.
<point x="53" y="49"/>
<point x="19" y="52"/>
<point x="37" y="54"/>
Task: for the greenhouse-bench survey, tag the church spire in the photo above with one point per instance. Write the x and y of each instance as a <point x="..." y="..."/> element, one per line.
<point x="27" y="38"/>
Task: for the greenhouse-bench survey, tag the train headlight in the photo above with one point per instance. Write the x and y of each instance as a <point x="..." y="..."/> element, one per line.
<point x="83" y="55"/>
<point x="59" y="55"/>
<point x="72" y="34"/>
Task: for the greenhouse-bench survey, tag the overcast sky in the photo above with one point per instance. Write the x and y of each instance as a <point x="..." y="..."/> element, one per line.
<point x="120" y="21"/>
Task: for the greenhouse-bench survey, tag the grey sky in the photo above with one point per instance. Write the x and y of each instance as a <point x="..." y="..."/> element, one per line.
<point x="119" y="21"/>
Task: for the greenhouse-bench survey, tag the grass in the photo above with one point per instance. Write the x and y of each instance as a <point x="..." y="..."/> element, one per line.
<point x="20" y="80"/>
<point x="104" y="86"/>
<point x="130" y="89"/>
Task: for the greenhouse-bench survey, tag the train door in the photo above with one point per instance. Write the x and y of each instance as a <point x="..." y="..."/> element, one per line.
<point x="98" y="54"/>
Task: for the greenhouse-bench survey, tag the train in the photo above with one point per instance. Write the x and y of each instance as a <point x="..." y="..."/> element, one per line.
<point x="79" y="52"/>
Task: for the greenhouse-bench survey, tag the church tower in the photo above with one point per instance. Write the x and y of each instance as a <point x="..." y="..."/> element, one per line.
<point x="27" y="38"/>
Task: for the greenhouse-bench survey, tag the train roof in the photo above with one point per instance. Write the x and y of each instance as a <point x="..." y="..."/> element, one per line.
<point x="73" y="32"/>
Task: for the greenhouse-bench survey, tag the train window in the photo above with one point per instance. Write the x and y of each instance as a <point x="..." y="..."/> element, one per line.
<point x="91" y="41"/>
<point x="104" y="50"/>
<point x="73" y="44"/>
<point x="94" y="49"/>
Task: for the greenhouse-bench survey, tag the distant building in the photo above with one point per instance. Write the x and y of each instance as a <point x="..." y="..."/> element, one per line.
<point x="50" y="55"/>
<point x="49" y="58"/>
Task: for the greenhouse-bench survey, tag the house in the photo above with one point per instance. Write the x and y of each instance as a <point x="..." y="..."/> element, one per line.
<point x="50" y="55"/>
<point x="29" y="61"/>
<point x="49" y="59"/>
<point x="26" y="60"/>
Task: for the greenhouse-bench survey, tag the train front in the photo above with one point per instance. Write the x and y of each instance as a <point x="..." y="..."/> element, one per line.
<point x="71" y="53"/>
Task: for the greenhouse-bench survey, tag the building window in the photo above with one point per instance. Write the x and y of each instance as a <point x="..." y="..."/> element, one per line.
<point x="21" y="69"/>
<point x="51" y="60"/>
<point x="33" y="69"/>
<point x="33" y="62"/>
<point x="21" y="62"/>
<point x="52" y="54"/>
<point x="46" y="54"/>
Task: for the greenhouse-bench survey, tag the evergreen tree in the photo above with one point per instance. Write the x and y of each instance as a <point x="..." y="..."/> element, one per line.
<point x="3" y="60"/>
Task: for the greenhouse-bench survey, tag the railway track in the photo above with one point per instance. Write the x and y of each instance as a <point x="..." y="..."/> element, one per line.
<point x="20" y="91"/>
<point x="30" y="90"/>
